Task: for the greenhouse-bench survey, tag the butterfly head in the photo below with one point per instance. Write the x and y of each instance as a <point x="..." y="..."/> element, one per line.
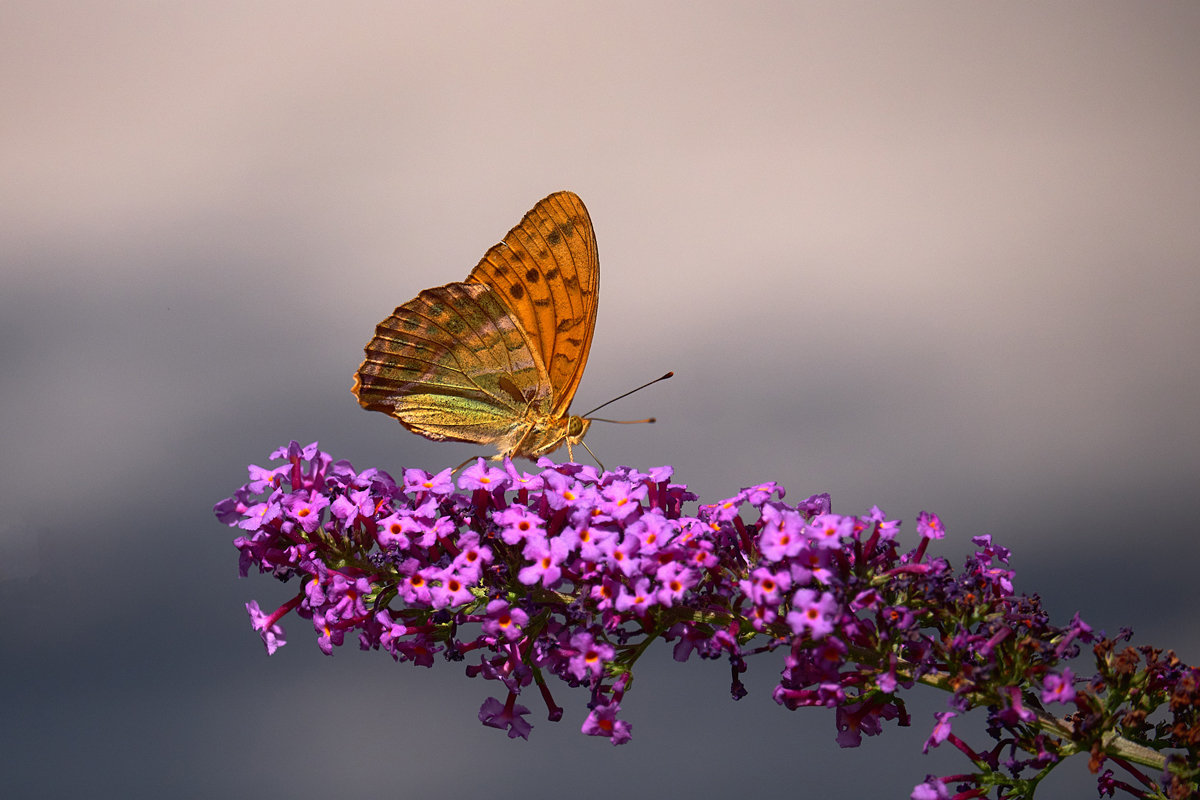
<point x="577" y="428"/>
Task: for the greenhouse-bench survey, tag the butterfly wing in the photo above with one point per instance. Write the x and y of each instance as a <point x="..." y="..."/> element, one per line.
<point x="548" y="272"/>
<point x="452" y="363"/>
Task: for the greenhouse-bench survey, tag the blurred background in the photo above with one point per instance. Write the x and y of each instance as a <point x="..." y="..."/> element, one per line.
<point x="923" y="255"/>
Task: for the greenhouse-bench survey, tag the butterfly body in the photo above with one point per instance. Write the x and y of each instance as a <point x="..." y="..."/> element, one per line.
<point x="496" y="359"/>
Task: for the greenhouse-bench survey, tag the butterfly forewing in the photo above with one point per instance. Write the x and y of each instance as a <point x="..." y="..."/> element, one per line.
<point x="548" y="272"/>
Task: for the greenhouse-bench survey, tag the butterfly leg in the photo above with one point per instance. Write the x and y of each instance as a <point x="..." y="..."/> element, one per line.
<point x="468" y="461"/>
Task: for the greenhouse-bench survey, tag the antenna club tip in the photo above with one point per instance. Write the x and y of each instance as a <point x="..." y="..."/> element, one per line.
<point x="588" y="415"/>
<point x="652" y="420"/>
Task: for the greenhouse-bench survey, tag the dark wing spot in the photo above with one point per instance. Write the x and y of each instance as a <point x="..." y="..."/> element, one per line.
<point x="552" y="273"/>
<point x="573" y="283"/>
<point x="543" y="254"/>
<point x="566" y="323"/>
<point x="575" y="342"/>
<point x="533" y="276"/>
<point x="455" y="326"/>
<point x="545" y="301"/>
<point x="554" y="238"/>
<point x="566" y="229"/>
<point x="501" y="269"/>
<point x="517" y="291"/>
<point x="511" y="390"/>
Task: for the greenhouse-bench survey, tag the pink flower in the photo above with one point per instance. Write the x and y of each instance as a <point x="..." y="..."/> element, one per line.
<point x="812" y="613"/>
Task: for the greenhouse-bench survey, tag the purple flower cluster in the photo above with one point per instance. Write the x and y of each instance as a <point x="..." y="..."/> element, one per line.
<point x="573" y="572"/>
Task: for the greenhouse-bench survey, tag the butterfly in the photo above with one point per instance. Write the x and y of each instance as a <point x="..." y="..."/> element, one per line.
<point x="496" y="359"/>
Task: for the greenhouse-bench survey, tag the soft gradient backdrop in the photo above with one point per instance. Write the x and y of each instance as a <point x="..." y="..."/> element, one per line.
<point x="926" y="255"/>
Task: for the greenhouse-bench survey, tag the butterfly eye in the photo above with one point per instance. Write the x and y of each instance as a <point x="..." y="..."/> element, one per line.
<point x="575" y="427"/>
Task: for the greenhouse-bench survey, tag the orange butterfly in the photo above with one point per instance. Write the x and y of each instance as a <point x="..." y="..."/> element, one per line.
<point x="497" y="358"/>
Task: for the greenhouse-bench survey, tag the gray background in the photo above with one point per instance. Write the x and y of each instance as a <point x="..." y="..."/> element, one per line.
<point x="930" y="256"/>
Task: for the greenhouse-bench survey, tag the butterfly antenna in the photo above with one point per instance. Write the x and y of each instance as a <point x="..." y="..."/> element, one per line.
<point x="593" y="455"/>
<point x="615" y="399"/>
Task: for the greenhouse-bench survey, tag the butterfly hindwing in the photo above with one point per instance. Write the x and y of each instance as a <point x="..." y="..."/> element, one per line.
<point x="453" y="364"/>
<point x="548" y="272"/>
